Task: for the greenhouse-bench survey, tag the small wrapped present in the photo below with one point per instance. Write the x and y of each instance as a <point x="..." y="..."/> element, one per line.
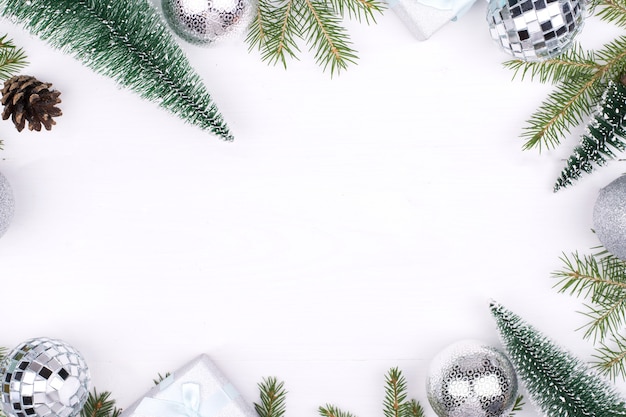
<point x="425" y="17"/>
<point x="198" y="389"/>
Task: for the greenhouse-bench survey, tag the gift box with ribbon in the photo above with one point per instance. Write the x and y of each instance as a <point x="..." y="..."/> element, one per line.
<point x="198" y="389"/>
<point x="425" y="17"/>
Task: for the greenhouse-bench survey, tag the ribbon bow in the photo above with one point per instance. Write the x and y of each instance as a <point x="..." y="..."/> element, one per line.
<point x="191" y="405"/>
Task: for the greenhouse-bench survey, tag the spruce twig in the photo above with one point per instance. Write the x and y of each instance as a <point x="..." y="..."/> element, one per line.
<point x="332" y="411"/>
<point x="518" y="405"/>
<point x="99" y="405"/>
<point x="12" y="59"/>
<point x="395" y="394"/>
<point x="127" y="41"/>
<point x="273" y="395"/>
<point x="414" y="409"/>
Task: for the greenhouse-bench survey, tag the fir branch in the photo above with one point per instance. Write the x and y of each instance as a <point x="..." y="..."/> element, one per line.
<point x="12" y="59"/>
<point x="99" y="405"/>
<point x="358" y="9"/>
<point x="518" y="405"/>
<point x="272" y="395"/>
<point x="560" y="384"/>
<point x="395" y="393"/>
<point x="127" y="41"/>
<point x="325" y="35"/>
<point x="332" y="411"/>
<point x="414" y="409"/>
<point x="602" y="280"/>
<point x="612" y="11"/>
<point x="610" y="358"/>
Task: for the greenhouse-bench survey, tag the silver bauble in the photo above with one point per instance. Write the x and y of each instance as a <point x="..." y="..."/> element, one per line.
<point x="44" y="377"/>
<point x="534" y="30"/>
<point x="609" y="217"/>
<point x="206" y="21"/>
<point x="7" y="204"/>
<point x="470" y="379"/>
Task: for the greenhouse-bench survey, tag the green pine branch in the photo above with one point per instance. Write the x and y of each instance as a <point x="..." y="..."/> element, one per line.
<point x="560" y="384"/>
<point x="273" y="396"/>
<point x="99" y="405"/>
<point x="612" y="11"/>
<point x="332" y="411"/>
<point x="518" y="406"/>
<point x="12" y="59"/>
<point x="395" y="394"/>
<point x="280" y="25"/>
<point x="127" y="41"/>
<point x="605" y="137"/>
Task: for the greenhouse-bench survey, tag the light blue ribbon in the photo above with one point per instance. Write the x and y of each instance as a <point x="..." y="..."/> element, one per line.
<point x="191" y="405"/>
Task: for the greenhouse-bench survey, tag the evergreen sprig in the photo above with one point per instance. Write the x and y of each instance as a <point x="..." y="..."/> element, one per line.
<point x="127" y="41"/>
<point x="273" y="395"/>
<point x="600" y="279"/>
<point x="560" y="384"/>
<point x="99" y="404"/>
<point x="12" y="59"/>
<point x="394" y="404"/>
<point x="280" y="25"/>
<point x="332" y="411"/>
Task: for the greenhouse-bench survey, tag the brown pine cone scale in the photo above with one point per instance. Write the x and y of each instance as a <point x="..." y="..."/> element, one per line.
<point x="26" y="99"/>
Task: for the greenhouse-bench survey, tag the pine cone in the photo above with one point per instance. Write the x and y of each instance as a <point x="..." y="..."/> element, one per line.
<point x="27" y="99"/>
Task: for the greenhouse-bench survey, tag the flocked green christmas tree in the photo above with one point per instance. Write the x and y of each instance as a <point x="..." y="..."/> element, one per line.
<point x="127" y="41"/>
<point x="606" y="135"/>
<point x="559" y="384"/>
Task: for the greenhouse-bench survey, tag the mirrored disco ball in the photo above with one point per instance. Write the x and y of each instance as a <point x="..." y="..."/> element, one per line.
<point x="534" y="30"/>
<point x="206" y="21"/>
<point x="469" y="379"/>
<point x="44" y="378"/>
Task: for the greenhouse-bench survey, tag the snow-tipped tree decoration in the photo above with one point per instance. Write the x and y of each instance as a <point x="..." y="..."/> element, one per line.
<point x="606" y="133"/>
<point x="559" y="384"/>
<point x="127" y="41"/>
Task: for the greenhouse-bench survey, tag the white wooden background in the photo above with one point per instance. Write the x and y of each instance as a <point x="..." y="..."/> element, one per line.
<point x="355" y="224"/>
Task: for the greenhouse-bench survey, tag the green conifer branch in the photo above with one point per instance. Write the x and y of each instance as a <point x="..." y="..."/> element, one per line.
<point x="12" y="59"/>
<point x="273" y="396"/>
<point x="127" y="41"/>
<point x="518" y="406"/>
<point x="560" y="384"/>
<point x="332" y="411"/>
<point x="99" y="405"/>
<point x="610" y="357"/>
<point x="395" y="394"/>
<point x="612" y="11"/>
<point x="414" y="409"/>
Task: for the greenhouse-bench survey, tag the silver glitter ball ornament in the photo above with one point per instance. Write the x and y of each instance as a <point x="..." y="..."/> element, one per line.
<point x="469" y="379"/>
<point x="7" y="204"/>
<point x="44" y="377"/>
<point x="207" y="21"/>
<point x="609" y="217"/>
<point x="534" y="30"/>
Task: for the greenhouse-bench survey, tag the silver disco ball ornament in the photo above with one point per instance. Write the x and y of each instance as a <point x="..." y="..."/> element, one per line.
<point x="534" y="30"/>
<point x="469" y="379"/>
<point x="7" y="204"/>
<point x="207" y="21"/>
<point x="609" y="217"/>
<point x="44" y="378"/>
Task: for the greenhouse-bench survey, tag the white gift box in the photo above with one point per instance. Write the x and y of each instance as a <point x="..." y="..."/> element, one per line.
<point x="425" y="17"/>
<point x="198" y="389"/>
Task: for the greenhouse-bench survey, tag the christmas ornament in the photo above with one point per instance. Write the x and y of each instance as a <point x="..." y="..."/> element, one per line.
<point x="609" y="217"/>
<point x="424" y="17"/>
<point x="469" y="379"/>
<point x="26" y="99"/>
<point x="535" y="30"/>
<point x="206" y="21"/>
<point x="7" y="204"/>
<point x="44" y="377"/>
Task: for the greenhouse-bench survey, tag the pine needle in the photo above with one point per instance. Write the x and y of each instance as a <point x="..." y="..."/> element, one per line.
<point x="273" y="395"/>
<point x="12" y="59"/>
<point x="99" y="405"/>
<point x="518" y="406"/>
<point x="395" y="393"/>
<point x="127" y="41"/>
<point x="332" y="411"/>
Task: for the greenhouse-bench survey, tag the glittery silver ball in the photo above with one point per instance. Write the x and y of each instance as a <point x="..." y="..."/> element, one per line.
<point x="534" y="30"/>
<point x="44" y="378"/>
<point x="469" y="379"/>
<point x="609" y="217"/>
<point x="7" y="204"/>
<point x="207" y="21"/>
